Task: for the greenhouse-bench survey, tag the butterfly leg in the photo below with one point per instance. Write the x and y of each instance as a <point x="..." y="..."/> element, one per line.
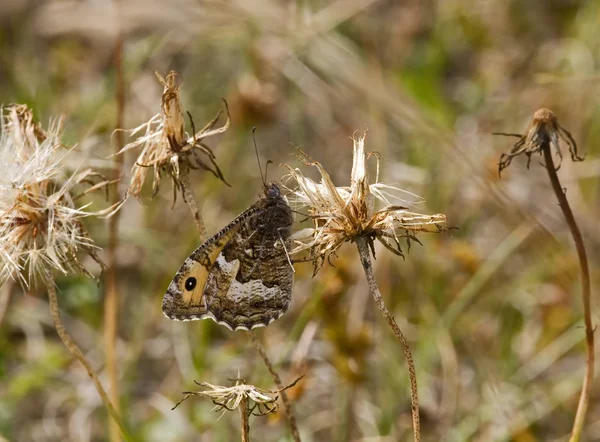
<point x="287" y="255"/>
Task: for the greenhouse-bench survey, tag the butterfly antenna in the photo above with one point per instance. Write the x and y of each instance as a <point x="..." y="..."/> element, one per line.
<point x="267" y="168"/>
<point x="257" y="157"/>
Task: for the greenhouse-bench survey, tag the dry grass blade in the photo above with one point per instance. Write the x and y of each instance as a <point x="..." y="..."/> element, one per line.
<point x="111" y="298"/>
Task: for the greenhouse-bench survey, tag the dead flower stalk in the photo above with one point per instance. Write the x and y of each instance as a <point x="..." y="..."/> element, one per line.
<point x="249" y="399"/>
<point x="167" y="149"/>
<point x="41" y="228"/>
<point x="341" y="214"/>
<point x="543" y="134"/>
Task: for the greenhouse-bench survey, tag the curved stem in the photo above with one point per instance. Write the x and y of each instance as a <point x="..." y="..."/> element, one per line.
<point x="585" y="294"/>
<point x="77" y="353"/>
<point x="287" y="406"/>
<point x="365" y="259"/>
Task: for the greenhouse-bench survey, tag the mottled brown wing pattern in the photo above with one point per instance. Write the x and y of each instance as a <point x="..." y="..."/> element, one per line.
<point x="241" y="277"/>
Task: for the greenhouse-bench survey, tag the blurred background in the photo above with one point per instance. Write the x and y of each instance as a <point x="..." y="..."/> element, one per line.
<point x="492" y="310"/>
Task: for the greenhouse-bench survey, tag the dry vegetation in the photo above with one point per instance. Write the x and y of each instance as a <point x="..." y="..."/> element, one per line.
<point x="492" y="311"/>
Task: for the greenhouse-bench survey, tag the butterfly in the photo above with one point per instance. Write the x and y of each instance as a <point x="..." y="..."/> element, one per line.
<point x="241" y="277"/>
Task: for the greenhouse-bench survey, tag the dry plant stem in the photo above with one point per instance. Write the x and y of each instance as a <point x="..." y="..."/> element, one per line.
<point x="287" y="406"/>
<point x="365" y="259"/>
<point x="190" y="199"/>
<point x="585" y="294"/>
<point x="111" y="300"/>
<point x="5" y="293"/>
<point x="349" y="427"/>
<point x="245" y="416"/>
<point x="77" y="353"/>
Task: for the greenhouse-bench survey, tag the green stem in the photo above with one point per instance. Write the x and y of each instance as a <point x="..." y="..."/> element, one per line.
<point x="585" y="294"/>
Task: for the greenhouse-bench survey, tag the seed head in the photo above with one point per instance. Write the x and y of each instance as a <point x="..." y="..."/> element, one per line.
<point x="229" y="398"/>
<point x="167" y="147"/>
<point x="40" y="223"/>
<point x="341" y="214"/>
<point x="543" y="130"/>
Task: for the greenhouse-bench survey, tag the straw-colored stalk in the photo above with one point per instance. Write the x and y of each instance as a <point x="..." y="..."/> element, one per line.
<point x="111" y="299"/>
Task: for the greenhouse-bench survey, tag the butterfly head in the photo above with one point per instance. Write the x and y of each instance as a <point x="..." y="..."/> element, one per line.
<point x="272" y="191"/>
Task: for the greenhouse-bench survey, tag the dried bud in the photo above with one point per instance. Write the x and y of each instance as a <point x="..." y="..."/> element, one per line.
<point x="543" y="131"/>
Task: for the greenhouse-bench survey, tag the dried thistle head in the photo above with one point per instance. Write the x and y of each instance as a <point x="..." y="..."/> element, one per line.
<point x="40" y="223"/>
<point x="167" y="148"/>
<point x="543" y="130"/>
<point x="18" y="123"/>
<point x="230" y="398"/>
<point x="341" y="214"/>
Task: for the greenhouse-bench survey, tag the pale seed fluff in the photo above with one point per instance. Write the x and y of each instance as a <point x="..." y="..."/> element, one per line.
<point x="341" y="214"/>
<point x="40" y="223"/>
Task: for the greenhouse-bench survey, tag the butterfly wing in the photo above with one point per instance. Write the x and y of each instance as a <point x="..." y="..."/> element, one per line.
<point x="185" y="298"/>
<point x="240" y="277"/>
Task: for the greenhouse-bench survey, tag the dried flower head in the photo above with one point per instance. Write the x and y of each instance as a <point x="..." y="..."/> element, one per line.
<point x="542" y="130"/>
<point x="40" y="223"/>
<point x="166" y="146"/>
<point x="18" y="123"/>
<point x="343" y="214"/>
<point x="229" y="398"/>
